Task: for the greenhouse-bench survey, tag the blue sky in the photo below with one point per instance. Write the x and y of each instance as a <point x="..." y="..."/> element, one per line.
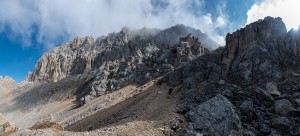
<point x="16" y="60"/>
<point x="29" y="28"/>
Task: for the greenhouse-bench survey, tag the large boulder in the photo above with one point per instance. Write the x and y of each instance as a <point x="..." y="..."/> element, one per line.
<point x="283" y="106"/>
<point x="281" y="123"/>
<point x="5" y="125"/>
<point x="215" y="117"/>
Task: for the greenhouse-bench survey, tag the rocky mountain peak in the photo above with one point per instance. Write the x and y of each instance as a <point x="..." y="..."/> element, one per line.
<point x="88" y="40"/>
<point x="6" y="78"/>
<point x="189" y="39"/>
<point x="259" y="48"/>
<point x="124" y="31"/>
<point x="127" y="46"/>
<point x="77" y="41"/>
<point x="257" y="71"/>
<point x="6" y="84"/>
<point x="249" y="87"/>
<point x="125" y="34"/>
<point x="171" y="36"/>
<point x="262" y="30"/>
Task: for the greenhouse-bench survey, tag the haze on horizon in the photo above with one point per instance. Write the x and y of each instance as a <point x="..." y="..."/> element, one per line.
<point x="29" y="28"/>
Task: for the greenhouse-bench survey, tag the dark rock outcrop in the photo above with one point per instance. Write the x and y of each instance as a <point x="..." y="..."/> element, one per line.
<point x="283" y="106"/>
<point x="264" y="97"/>
<point x="281" y="123"/>
<point x="259" y="70"/>
<point x="260" y="52"/>
<point x="215" y="117"/>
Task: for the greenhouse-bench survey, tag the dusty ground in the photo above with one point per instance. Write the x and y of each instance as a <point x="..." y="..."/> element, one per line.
<point x="138" y="128"/>
<point x="132" y="110"/>
<point x="154" y="104"/>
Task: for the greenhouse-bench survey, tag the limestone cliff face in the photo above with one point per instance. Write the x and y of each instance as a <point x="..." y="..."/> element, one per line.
<point x="113" y="61"/>
<point x="261" y="50"/>
<point x="70" y="58"/>
<point x="86" y="54"/>
<point x="6" y="84"/>
<point x="292" y="39"/>
<point x="260" y="31"/>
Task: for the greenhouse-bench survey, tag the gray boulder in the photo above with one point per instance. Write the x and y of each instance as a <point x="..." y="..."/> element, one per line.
<point x="216" y="117"/>
<point x="297" y="100"/>
<point x="281" y="123"/>
<point x="264" y="97"/>
<point x="283" y="106"/>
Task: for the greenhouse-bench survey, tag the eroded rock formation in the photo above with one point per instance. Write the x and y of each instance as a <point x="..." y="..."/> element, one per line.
<point x="118" y="59"/>
<point x="257" y="71"/>
<point x="260" y="51"/>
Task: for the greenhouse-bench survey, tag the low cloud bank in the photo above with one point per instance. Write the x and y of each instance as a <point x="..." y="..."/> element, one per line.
<point x="48" y="22"/>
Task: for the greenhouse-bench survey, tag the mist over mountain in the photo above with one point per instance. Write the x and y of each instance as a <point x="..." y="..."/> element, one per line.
<point x="30" y="28"/>
<point x="161" y="82"/>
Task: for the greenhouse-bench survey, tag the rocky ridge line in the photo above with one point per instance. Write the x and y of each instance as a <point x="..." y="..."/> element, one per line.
<point x="257" y="71"/>
<point x="251" y="85"/>
<point x="111" y="62"/>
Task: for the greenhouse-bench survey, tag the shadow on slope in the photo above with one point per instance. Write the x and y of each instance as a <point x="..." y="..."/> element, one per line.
<point x="153" y="104"/>
<point x="40" y="94"/>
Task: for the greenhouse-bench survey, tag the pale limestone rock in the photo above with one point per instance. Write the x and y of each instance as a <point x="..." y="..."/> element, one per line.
<point x="6" y="85"/>
<point x="5" y="125"/>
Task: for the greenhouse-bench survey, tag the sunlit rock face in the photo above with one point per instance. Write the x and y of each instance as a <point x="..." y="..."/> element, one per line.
<point x="115" y="60"/>
<point x="293" y="40"/>
<point x="6" y="84"/>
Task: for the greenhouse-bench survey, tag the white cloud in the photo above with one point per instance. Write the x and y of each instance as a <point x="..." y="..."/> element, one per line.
<point x="221" y="21"/>
<point x="288" y="10"/>
<point x="52" y="20"/>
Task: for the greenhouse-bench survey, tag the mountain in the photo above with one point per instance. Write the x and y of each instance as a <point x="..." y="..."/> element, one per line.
<point x="163" y="82"/>
<point x="111" y="62"/>
<point x="257" y="71"/>
<point x="87" y="54"/>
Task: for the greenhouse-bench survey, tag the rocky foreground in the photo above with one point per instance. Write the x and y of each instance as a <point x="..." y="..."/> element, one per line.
<point x="151" y="82"/>
<point x="249" y="87"/>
